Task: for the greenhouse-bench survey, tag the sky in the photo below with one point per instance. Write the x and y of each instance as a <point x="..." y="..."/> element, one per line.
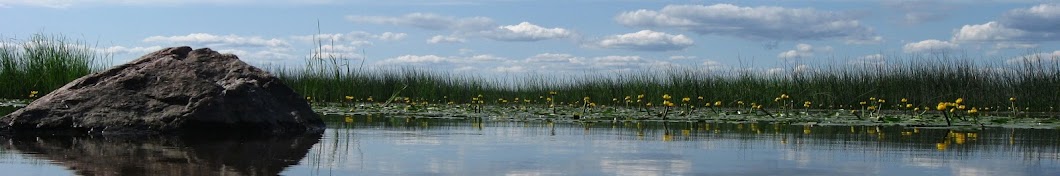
<point x="554" y="37"/>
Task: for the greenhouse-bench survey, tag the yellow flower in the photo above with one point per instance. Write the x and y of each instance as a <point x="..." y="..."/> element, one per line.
<point x="308" y="98"/>
<point x="960" y="107"/>
<point x="627" y="97"/>
<point x="872" y="98"/>
<point x="586" y="99"/>
<point x="666" y="97"/>
<point x="882" y="101"/>
<point x="348" y="98"/>
<point x="862" y="103"/>
<point x="717" y="103"/>
<point x="973" y="111"/>
<point x="370" y="99"/>
<point x="942" y="106"/>
<point x="959" y="101"/>
<point x="700" y="97"/>
<point x="905" y="100"/>
<point x="1012" y="99"/>
<point x="784" y="96"/>
<point x="552" y="93"/>
<point x="686" y="99"/>
<point x="872" y="108"/>
<point x="908" y="105"/>
<point x="667" y="103"/>
<point x="641" y="96"/>
<point x="739" y="102"/>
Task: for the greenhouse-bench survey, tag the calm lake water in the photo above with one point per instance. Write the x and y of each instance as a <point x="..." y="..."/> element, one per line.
<point x="398" y="146"/>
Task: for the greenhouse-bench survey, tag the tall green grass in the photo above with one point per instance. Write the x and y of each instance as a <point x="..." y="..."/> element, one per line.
<point x="924" y="80"/>
<point x="43" y="63"/>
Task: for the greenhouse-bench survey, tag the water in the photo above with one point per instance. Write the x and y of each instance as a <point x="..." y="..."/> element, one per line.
<point x="399" y="146"/>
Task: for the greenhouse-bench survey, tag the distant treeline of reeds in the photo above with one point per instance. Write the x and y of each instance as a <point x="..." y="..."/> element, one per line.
<point x="924" y="80"/>
<point x="43" y="63"/>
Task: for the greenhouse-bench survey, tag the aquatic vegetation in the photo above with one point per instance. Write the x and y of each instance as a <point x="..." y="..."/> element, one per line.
<point x="42" y="63"/>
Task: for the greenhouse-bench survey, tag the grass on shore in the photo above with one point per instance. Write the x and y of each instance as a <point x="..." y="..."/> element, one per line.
<point x="42" y="63"/>
<point x="914" y="83"/>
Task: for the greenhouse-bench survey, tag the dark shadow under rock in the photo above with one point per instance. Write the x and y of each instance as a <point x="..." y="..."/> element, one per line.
<point x="225" y="154"/>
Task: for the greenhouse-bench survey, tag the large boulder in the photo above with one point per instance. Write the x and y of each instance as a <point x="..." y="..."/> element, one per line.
<point x="170" y="91"/>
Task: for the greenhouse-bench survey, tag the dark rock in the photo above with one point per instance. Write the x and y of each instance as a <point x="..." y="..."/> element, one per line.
<point x="172" y="90"/>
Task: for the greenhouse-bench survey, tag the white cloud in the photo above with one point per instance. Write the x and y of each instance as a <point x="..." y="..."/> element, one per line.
<point x="987" y="32"/>
<point x="711" y="65"/>
<point x="120" y="50"/>
<point x="210" y="40"/>
<point x="1043" y="18"/>
<point x="265" y="56"/>
<point x="355" y="38"/>
<point x="391" y="36"/>
<point x="803" y="50"/>
<point x="429" y="21"/>
<point x="413" y="59"/>
<point x="872" y="59"/>
<point x="554" y="58"/>
<point x="467" y="27"/>
<point x="510" y="69"/>
<point x="758" y="23"/>
<point x="336" y="52"/>
<point x="682" y="57"/>
<point x="445" y="39"/>
<point x="1024" y="25"/>
<point x="929" y="46"/>
<point x="920" y="11"/>
<point x="526" y="31"/>
<point x="646" y="40"/>
<point x="1037" y="57"/>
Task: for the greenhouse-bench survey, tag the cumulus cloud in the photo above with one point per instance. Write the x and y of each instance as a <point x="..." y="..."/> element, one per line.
<point x="920" y="11"/>
<point x="443" y="61"/>
<point x="526" y="31"/>
<point x="1034" y="58"/>
<point x="445" y="39"/>
<point x="429" y="21"/>
<point x="803" y="50"/>
<point x="554" y="58"/>
<point x="210" y="40"/>
<point x="355" y="38"/>
<point x="1021" y="26"/>
<point x="929" y="46"/>
<point x="646" y="40"/>
<point x="467" y="27"/>
<point x="336" y="52"/>
<point x="120" y="50"/>
<point x="872" y="59"/>
<point x="758" y="23"/>
<point x="682" y="57"/>
<point x="550" y="63"/>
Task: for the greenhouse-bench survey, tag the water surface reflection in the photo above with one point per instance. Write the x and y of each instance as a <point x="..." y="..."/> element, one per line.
<point x="403" y="146"/>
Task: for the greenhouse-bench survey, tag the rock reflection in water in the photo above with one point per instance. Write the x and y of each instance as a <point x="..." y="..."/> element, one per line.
<point x="166" y="155"/>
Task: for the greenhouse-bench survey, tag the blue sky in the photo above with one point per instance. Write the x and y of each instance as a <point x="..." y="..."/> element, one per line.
<point x="542" y="37"/>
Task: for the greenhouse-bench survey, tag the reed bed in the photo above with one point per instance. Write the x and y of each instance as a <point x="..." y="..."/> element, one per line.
<point x="35" y="66"/>
<point x="1031" y="85"/>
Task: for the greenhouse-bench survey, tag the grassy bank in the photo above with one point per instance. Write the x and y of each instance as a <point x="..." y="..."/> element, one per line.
<point x="919" y="83"/>
<point x="906" y="84"/>
<point x="35" y="66"/>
